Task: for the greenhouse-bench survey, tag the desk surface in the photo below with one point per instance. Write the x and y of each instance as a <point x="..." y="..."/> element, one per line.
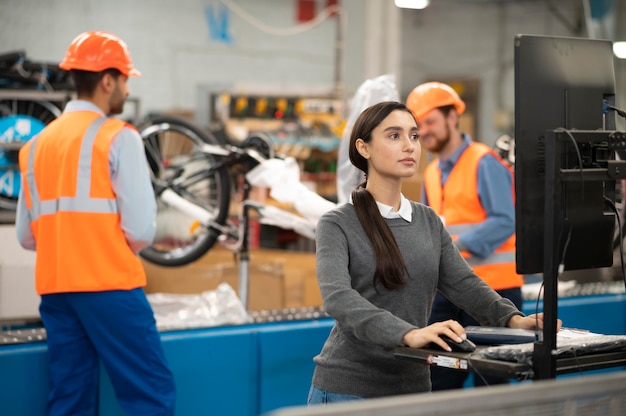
<point x="474" y="362"/>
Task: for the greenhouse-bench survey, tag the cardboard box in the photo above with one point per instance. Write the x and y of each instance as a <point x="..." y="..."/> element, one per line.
<point x="277" y="279"/>
<point x="312" y="294"/>
<point x="265" y="281"/>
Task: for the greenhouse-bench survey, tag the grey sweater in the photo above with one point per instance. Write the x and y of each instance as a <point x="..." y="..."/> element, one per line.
<point x="357" y="358"/>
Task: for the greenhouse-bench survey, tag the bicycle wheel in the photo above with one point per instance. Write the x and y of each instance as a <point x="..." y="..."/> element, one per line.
<point x="20" y="120"/>
<point x="171" y="145"/>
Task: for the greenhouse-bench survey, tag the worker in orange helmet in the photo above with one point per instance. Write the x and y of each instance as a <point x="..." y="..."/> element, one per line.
<point x="87" y="208"/>
<point x="472" y="190"/>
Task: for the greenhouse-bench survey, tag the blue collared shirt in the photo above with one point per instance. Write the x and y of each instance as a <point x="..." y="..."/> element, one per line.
<point x="494" y="191"/>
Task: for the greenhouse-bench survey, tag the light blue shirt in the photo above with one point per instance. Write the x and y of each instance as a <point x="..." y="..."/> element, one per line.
<point x="494" y="191"/>
<point x="130" y="178"/>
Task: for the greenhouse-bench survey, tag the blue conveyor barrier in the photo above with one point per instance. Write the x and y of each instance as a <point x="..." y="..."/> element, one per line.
<point x="248" y="369"/>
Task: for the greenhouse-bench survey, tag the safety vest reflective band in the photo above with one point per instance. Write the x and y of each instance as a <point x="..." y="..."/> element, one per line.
<point x="81" y="202"/>
<point x="73" y="210"/>
<point x="498" y="269"/>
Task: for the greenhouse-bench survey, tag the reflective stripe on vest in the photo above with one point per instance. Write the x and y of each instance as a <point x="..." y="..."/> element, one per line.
<point x="81" y="202"/>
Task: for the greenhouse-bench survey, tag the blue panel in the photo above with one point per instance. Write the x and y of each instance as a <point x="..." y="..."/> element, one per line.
<point x="249" y="369"/>
<point x="215" y="370"/>
<point x="23" y="379"/>
<point x="603" y="314"/>
<point x="286" y="355"/>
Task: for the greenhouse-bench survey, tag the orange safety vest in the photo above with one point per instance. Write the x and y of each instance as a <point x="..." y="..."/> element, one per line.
<point x="73" y="211"/>
<point x="465" y="212"/>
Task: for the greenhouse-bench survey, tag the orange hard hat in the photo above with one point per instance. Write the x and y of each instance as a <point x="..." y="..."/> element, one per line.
<point x="97" y="51"/>
<point x="430" y="95"/>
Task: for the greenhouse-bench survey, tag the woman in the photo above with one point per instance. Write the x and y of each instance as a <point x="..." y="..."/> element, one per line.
<point x="380" y="260"/>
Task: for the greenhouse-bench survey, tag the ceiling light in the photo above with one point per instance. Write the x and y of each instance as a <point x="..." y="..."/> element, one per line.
<point x="619" y="49"/>
<point x="412" y="4"/>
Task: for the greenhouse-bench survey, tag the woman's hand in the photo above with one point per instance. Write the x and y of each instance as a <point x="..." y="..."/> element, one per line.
<point x="530" y="322"/>
<point x="422" y="337"/>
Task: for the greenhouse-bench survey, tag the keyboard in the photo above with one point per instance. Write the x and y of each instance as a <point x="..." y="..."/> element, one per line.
<point x="566" y="348"/>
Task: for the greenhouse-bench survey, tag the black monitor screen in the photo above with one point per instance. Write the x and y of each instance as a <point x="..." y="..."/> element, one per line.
<point x="560" y="83"/>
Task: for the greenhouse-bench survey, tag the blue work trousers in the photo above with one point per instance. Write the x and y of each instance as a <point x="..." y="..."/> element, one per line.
<point x="117" y="328"/>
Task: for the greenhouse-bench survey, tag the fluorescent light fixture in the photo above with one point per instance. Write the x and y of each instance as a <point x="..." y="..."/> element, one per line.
<point x="619" y="49"/>
<point x="411" y="4"/>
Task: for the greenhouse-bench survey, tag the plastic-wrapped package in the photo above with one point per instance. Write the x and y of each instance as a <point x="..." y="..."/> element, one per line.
<point x="282" y="177"/>
<point x="565" y="348"/>
<point x="207" y="309"/>
<point x="372" y="91"/>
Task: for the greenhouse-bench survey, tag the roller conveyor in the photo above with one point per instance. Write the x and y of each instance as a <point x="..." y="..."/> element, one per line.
<point x="14" y="334"/>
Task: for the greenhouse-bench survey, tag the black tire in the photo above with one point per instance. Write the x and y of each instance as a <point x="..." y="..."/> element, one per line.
<point x="171" y="145"/>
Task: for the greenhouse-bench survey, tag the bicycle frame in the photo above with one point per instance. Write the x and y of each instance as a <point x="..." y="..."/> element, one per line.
<point x="192" y="175"/>
<point x="269" y="214"/>
<point x="258" y="175"/>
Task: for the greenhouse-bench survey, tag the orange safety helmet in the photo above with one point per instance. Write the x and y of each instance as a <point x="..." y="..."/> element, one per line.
<point x="430" y="95"/>
<point x="97" y="51"/>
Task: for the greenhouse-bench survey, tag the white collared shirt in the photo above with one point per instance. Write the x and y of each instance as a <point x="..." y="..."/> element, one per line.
<point x="386" y="211"/>
<point x="405" y="212"/>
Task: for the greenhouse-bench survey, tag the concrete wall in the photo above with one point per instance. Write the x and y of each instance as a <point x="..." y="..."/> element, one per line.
<point x="186" y="48"/>
<point x="178" y="50"/>
<point x="457" y="40"/>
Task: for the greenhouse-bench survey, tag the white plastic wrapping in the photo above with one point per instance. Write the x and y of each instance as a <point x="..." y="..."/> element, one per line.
<point x="372" y="91"/>
<point x="282" y="177"/>
<point x="207" y="309"/>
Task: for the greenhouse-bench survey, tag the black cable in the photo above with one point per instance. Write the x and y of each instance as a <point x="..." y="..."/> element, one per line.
<point x="539" y="296"/>
<point x="541" y="288"/>
<point x="578" y="364"/>
<point x="619" y="111"/>
<point x="580" y="159"/>
<point x="621" y="237"/>
<point x="606" y="107"/>
<point x="562" y="263"/>
<point x="476" y="372"/>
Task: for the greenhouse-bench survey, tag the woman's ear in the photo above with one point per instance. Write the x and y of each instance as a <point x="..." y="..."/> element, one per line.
<point x="362" y="148"/>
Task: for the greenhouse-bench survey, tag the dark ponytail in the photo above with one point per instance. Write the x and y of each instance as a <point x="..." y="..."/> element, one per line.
<point x="390" y="266"/>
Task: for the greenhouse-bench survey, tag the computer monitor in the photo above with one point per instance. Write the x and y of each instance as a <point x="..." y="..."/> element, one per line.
<point x="564" y="83"/>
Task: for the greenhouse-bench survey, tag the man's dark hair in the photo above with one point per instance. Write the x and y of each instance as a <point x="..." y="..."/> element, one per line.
<point x="86" y="81"/>
<point x="446" y="110"/>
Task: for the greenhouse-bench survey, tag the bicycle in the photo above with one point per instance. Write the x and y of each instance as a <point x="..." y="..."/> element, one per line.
<point x="194" y="176"/>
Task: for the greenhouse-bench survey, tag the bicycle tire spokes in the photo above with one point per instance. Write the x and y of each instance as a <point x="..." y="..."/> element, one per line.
<point x="173" y="150"/>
